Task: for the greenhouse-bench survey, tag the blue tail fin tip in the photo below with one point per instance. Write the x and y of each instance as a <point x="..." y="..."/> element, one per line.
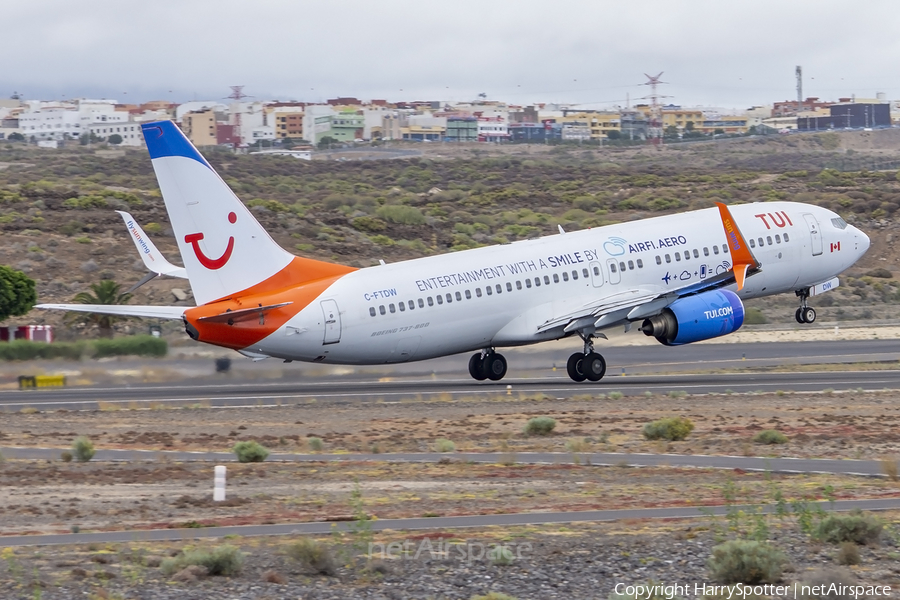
<point x="164" y="138"/>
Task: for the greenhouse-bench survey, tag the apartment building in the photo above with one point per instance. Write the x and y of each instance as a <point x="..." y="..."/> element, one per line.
<point x="200" y="127"/>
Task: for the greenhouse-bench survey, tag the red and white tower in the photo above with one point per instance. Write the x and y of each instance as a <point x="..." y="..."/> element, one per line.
<point x="237" y="94"/>
<point x="655" y="128"/>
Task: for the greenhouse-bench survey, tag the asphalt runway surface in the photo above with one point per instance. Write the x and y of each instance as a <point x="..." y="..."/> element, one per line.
<point x="417" y="523"/>
<point x="632" y="370"/>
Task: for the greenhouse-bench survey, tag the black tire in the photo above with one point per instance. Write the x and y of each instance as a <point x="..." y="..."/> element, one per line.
<point x="594" y="367"/>
<point x="809" y="315"/>
<point x="476" y="367"/>
<point x="575" y="367"/>
<point x="799" y="315"/>
<point x="495" y="367"/>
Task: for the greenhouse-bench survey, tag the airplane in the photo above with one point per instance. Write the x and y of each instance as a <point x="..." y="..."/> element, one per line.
<point x="681" y="278"/>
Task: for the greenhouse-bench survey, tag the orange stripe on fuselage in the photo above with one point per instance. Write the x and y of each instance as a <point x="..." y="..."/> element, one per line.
<point x="300" y="283"/>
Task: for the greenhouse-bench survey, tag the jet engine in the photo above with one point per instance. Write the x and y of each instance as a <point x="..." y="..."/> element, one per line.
<point x="695" y="318"/>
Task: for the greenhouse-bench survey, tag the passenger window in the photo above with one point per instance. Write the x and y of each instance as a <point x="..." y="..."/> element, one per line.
<point x="372" y="311"/>
<point x="612" y="267"/>
<point x="658" y="260"/>
<point x="508" y="286"/>
<point x="574" y="275"/>
<point x="392" y="308"/>
<point x="478" y="292"/>
<point x="412" y="304"/>
<point x="585" y="273"/>
<point x="449" y="298"/>
<point x="518" y="285"/>
<point x="440" y="299"/>
<point x="715" y="249"/>
<point x="546" y="280"/>
<point x="565" y="276"/>
<point x="705" y="251"/>
<point x="622" y="267"/>
<point x="458" y="296"/>
<point x="528" y="283"/>
<point x="499" y="288"/>
<point x="696" y="253"/>
<point x="752" y="243"/>
<point x="422" y="304"/>
<point x="769" y="239"/>
<point x="431" y="300"/>
<point x="555" y="278"/>
<point x="468" y="295"/>
<point x="596" y="270"/>
<point x="382" y="310"/>
<point x="537" y="282"/>
<point x="687" y="255"/>
<point x="631" y="265"/>
<point x="489" y="290"/>
<point x="668" y="258"/>
<point x="640" y="263"/>
<point x="401" y="306"/>
<point x="777" y="238"/>
<point x="724" y="248"/>
<point x="678" y="257"/>
<point x="761" y="242"/>
<point x="786" y="239"/>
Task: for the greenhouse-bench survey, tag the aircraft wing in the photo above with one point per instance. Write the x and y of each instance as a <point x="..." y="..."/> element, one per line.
<point x="122" y="310"/>
<point x="150" y="254"/>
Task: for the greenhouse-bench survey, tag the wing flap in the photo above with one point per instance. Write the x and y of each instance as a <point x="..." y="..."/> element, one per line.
<point x="245" y="314"/>
<point x="124" y="310"/>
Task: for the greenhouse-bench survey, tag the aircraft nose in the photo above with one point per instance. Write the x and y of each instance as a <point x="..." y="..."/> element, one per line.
<point x="862" y="242"/>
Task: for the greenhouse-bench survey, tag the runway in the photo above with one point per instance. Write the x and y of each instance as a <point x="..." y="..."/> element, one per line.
<point x="419" y="523"/>
<point x="632" y="370"/>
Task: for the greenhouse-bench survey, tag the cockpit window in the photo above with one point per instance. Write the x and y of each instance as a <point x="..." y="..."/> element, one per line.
<point x="839" y="223"/>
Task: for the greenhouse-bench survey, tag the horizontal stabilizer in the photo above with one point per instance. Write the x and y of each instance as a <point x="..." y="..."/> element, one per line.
<point x="122" y="310"/>
<point x="245" y="314"/>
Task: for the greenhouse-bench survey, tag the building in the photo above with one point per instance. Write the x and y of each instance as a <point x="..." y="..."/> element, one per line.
<point x="51" y="123"/>
<point x="724" y="124"/>
<point x="535" y="132"/>
<point x="288" y="125"/>
<point x="200" y="127"/>
<point x="633" y="124"/>
<point x="600" y="123"/>
<point x="675" y="116"/>
<point x="347" y="126"/>
<point x="462" y="129"/>
<point x="130" y="132"/>
<point x="790" y="108"/>
<point x="851" y="115"/>
<point x="491" y="129"/>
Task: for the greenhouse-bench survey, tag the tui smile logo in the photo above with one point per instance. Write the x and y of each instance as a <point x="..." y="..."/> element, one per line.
<point x="212" y="263"/>
<point x="615" y="246"/>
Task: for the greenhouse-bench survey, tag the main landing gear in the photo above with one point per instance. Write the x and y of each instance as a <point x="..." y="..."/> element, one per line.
<point x="804" y="314"/>
<point x="586" y="365"/>
<point x="487" y="364"/>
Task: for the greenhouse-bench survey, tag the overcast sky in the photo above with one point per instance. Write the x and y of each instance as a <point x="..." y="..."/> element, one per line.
<point x="594" y="52"/>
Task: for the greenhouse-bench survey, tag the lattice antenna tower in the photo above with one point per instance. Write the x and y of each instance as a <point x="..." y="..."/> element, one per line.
<point x="655" y="129"/>
<point x="237" y="94"/>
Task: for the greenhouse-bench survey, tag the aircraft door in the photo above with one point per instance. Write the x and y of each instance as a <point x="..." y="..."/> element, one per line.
<point x="332" y="322"/>
<point x="596" y="274"/>
<point x="614" y="275"/>
<point x="815" y="234"/>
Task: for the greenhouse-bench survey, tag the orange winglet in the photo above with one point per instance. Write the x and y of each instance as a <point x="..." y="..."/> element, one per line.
<point x="742" y="258"/>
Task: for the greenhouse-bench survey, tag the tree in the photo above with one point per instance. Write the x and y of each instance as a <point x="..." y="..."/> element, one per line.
<point x="16" y="137"/>
<point x="327" y="142"/>
<point x="17" y="293"/>
<point x="115" y="139"/>
<point x="614" y="134"/>
<point x="671" y="132"/>
<point x="105" y="292"/>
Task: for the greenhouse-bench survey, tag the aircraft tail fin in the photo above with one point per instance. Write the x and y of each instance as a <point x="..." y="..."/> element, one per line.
<point x="224" y="248"/>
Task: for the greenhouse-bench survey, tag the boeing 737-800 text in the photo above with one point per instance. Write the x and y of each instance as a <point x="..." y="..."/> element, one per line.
<point x="680" y="278"/>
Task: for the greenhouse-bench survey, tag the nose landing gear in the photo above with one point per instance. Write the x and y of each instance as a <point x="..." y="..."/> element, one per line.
<point x="487" y="364"/>
<point x="586" y="365"/>
<point x="804" y="314"/>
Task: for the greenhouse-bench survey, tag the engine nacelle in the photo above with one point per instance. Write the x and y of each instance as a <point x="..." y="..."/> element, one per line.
<point x="695" y="318"/>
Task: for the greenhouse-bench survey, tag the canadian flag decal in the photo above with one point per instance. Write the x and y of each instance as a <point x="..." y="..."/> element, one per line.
<point x="835" y="246"/>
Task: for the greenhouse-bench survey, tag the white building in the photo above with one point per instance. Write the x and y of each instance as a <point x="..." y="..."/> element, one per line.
<point x="129" y="131"/>
<point x="317" y="122"/>
<point x="51" y="123"/>
<point x="493" y="129"/>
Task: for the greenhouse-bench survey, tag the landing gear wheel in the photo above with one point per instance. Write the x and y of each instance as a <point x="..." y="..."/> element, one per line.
<point x="799" y="315"/>
<point x="494" y="366"/>
<point x="476" y="367"/>
<point x="593" y="366"/>
<point x="575" y="367"/>
<point x="809" y="314"/>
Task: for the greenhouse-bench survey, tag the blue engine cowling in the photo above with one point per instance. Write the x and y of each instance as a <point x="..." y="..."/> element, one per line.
<point x="695" y="318"/>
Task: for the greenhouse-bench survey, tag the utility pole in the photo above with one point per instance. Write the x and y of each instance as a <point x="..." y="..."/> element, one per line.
<point x="799" y="73"/>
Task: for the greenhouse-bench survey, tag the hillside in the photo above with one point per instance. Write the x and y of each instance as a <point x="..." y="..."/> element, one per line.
<point x="59" y="225"/>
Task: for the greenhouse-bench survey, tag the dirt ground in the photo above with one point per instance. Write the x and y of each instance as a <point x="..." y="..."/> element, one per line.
<point x="54" y="496"/>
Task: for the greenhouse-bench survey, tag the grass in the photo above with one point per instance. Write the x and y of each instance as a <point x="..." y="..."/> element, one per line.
<point x="225" y="560"/>
<point x="540" y="426"/>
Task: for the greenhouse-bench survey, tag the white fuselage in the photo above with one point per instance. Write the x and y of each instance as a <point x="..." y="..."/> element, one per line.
<point x="501" y="295"/>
